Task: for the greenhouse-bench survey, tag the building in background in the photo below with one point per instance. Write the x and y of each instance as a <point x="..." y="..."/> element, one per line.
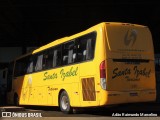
<point x="157" y="69"/>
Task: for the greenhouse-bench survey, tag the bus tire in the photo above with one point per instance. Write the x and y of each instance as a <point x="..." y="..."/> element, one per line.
<point x="64" y="103"/>
<point x="16" y="100"/>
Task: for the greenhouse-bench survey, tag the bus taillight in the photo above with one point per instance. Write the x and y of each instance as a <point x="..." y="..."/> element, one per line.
<point x="103" y="75"/>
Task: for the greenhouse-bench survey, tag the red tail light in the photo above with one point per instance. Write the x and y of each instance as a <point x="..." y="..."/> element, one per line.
<point x="103" y="69"/>
<point x="103" y="75"/>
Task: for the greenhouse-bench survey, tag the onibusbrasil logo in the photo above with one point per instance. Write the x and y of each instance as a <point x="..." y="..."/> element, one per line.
<point x="23" y="114"/>
<point x="130" y="37"/>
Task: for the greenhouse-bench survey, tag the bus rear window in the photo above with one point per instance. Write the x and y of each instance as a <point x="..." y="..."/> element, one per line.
<point x="129" y="38"/>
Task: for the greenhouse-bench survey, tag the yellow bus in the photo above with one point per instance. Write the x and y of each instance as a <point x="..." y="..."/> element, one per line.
<point x="107" y="64"/>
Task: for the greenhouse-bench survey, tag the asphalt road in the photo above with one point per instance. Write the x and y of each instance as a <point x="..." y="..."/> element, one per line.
<point x="125" y="111"/>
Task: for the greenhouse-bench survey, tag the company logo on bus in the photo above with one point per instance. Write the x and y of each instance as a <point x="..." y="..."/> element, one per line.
<point x="130" y="37"/>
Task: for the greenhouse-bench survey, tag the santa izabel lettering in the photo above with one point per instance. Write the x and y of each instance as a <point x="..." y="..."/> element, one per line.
<point x="71" y="72"/>
<point x="136" y="71"/>
<point x="63" y="73"/>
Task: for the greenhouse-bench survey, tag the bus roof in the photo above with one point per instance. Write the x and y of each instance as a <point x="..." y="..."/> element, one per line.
<point x="65" y="39"/>
<point x="121" y="23"/>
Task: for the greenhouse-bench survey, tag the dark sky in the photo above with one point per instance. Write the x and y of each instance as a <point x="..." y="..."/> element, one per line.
<point x="37" y="22"/>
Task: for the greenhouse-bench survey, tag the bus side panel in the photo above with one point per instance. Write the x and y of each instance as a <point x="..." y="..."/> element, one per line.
<point x="75" y="98"/>
<point x="42" y="88"/>
<point x="90" y="74"/>
<point x="88" y="83"/>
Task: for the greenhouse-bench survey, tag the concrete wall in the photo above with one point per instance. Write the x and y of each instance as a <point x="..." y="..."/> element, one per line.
<point x="30" y="49"/>
<point x="9" y="53"/>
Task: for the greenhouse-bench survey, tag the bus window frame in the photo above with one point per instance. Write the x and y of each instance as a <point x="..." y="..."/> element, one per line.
<point x="61" y="44"/>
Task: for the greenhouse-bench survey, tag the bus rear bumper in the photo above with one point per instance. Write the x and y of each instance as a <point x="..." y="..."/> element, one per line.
<point x="119" y="97"/>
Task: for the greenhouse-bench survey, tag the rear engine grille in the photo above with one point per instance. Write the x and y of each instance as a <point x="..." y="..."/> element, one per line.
<point x="88" y="89"/>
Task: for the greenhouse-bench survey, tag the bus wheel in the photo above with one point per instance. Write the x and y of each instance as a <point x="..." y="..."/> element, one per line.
<point x="64" y="103"/>
<point x="16" y="100"/>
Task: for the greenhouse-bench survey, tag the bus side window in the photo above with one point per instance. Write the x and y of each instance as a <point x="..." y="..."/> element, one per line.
<point x="21" y="67"/>
<point x="86" y="47"/>
<point x="67" y="53"/>
<point x="57" y="56"/>
<point x="49" y="58"/>
<point x="25" y="63"/>
<point x="38" y="65"/>
<point x="70" y="56"/>
<point x="30" y="65"/>
<point x="81" y="50"/>
<point x="52" y="58"/>
<point x="90" y="49"/>
<point x="44" y="62"/>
